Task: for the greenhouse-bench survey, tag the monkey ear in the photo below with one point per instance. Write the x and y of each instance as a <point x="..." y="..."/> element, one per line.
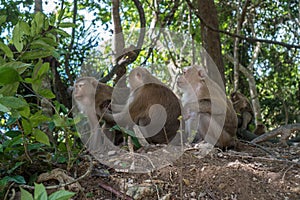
<point x="202" y="73"/>
<point x="139" y="76"/>
<point x="95" y="83"/>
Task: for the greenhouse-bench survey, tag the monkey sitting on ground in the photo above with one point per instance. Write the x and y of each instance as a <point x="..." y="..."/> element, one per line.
<point x="207" y="109"/>
<point x="243" y="109"/>
<point x="93" y="99"/>
<point x="152" y="106"/>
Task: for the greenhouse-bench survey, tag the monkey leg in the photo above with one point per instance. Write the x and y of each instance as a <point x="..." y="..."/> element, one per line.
<point x="247" y="117"/>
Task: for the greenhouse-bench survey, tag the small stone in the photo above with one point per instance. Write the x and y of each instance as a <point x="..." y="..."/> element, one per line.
<point x="111" y="153"/>
<point x="193" y="194"/>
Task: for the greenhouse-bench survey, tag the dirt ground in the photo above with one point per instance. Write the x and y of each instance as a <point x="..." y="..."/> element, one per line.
<point x="252" y="172"/>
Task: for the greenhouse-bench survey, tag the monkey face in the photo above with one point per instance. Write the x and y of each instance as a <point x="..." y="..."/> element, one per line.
<point x="191" y="76"/>
<point x="85" y="88"/>
<point x="78" y="90"/>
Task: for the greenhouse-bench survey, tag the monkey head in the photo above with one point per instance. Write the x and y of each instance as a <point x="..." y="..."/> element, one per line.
<point x="193" y="77"/>
<point x="84" y="89"/>
<point x="140" y="76"/>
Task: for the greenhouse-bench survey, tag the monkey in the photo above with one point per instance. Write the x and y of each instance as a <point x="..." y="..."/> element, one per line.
<point x="245" y="113"/>
<point x="93" y="99"/>
<point x="206" y="109"/>
<point x="243" y="109"/>
<point x="151" y="106"/>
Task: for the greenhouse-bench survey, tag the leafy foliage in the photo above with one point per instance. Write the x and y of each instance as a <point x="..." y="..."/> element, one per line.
<point x="41" y="194"/>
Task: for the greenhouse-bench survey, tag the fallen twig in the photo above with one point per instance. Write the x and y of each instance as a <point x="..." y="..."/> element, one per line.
<point x="114" y="191"/>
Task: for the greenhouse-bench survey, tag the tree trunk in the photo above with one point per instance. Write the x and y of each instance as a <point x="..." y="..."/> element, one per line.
<point x="211" y="39"/>
<point x="38" y="6"/>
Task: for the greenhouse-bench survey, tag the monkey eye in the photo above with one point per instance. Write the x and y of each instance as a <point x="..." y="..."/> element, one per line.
<point x="81" y="84"/>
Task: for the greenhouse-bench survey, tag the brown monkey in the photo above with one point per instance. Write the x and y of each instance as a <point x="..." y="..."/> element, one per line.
<point x="93" y="99"/>
<point x="207" y="111"/>
<point x="243" y="109"/>
<point x="152" y="106"/>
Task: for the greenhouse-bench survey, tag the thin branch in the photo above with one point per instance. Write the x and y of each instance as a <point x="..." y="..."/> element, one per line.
<point x="68" y="55"/>
<point x="130" y="56"/>
<point x="240" y="19"/>
<point x="70" y="182"/>
<point x="165" y="22"/>
<point x="248" y="39"/>
<point x="114" y="191"/>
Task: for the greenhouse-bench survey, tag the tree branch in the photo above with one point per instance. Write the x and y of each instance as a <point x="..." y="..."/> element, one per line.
<point x="248" y="39"/>
<point x="132" y="53"/>
<point x="67" y="58"/>
<point x="285" y="131"/>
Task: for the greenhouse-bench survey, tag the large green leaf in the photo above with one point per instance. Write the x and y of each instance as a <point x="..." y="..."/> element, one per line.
<point x="39" y="19"/>
<point x="37" y="118"/>
<point x="2" y="19"/>
<point x="9" y="89"/>
<point x="46" y="93"/>
<point x="13" y="102"/>
<point x="43" y="69"/>
<point x="6" y="50"/>
<point x="40" y="192"/>
<point x="18" y="37"/>
<point x="8" y="75"/>
<point x="32" y="55"/>
<point x="39" y="44"/>
<point x="25" y="195"/>
<point x="19" y="66"/>
<point x="41" y="137"/>
<point x="3" y="108"/>
<point x="24" y="27"/>
<point x="61" y="195"/>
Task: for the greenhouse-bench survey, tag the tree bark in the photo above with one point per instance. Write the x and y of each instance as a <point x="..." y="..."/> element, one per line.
<point x="211" y="39"/>
<point x="38" y="6"/>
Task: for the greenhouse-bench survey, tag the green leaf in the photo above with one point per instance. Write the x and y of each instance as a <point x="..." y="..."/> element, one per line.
<point x="43" y="69"/>
<point x="4" y="108"/>
<point x="8" y="75"/>
<point x="24" y="27"/>
<point x="17" y="179"/>
<point x="2" y="19"/>
<point x="49" y="40"/>
<point x="46" y="93"/>
<point x="41" y="137"/>
<point x="6" y="50"/>
<point x="9" y="89"/>
<point x="25" y="112"/>
<point x="18" y="37"/>
<point x="18" y="164"/>
<point x="32" y="55"/>
<point x="61" y="195"/>
<point x="59" y="121"/>
<point x="38" y="44"/>
<point x="67" y="25"/>
<point x="26" y="126"/>
<point x="25" y="195"/>
<point x="39" y="192"/>
<point x="13" y="102"/>
<point x="19" y="66"/>
<point x="38" y="118"/>
<point x="39" y="19"/>
<point x="62" y="32"/>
